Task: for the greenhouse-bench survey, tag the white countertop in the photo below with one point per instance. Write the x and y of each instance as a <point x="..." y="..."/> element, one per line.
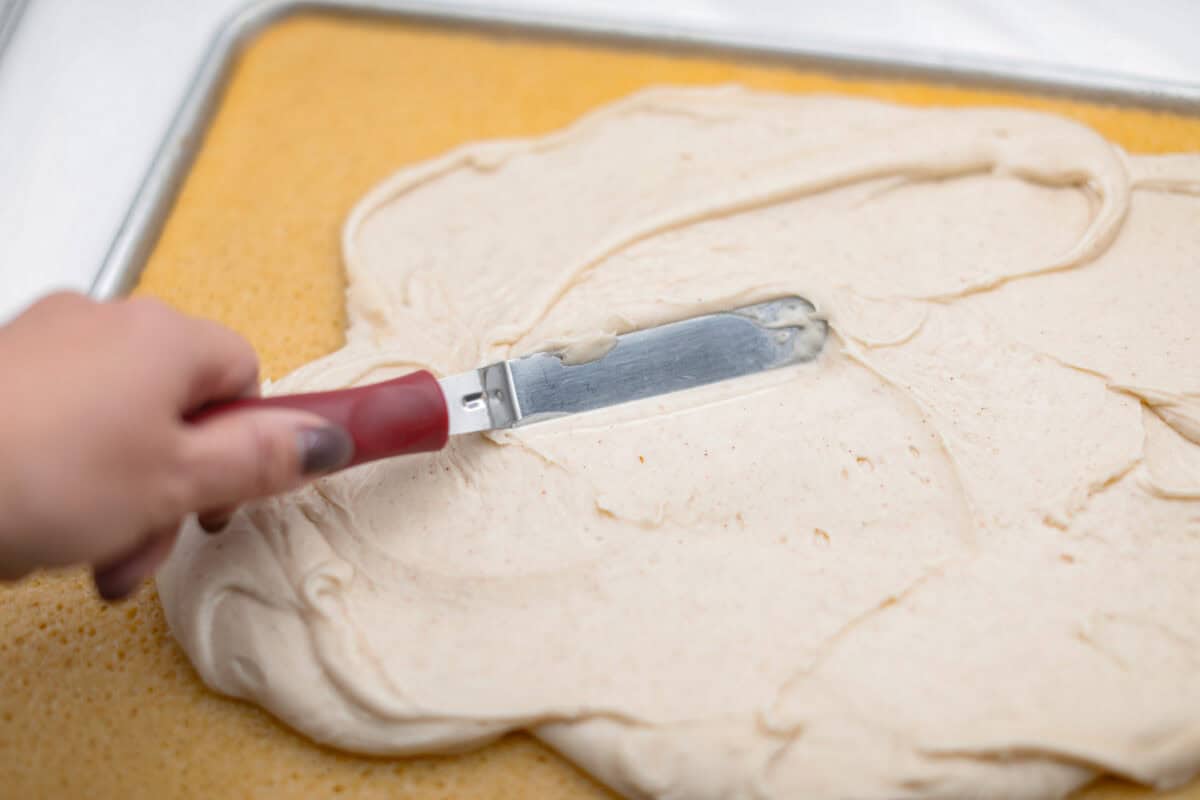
<point x="87" y="87"/>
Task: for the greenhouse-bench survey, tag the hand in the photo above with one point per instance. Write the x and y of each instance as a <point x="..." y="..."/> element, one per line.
<point x="99" y="463"/>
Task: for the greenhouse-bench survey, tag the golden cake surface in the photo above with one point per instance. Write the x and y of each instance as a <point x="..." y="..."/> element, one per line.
<point x="99" y="700"/>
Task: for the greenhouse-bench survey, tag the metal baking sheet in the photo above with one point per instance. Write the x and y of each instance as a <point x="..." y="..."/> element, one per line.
<point x="10" y="15"/>
<point x="143" y="222"/>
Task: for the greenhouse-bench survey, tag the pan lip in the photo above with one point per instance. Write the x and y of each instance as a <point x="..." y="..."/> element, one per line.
<point x="139" y="230"/>
<point x="10" y="19"/>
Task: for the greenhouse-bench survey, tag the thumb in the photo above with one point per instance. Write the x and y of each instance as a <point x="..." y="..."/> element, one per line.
<point x="249" y="454"/>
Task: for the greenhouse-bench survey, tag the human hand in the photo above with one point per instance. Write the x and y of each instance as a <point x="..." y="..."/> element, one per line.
<point x="100" y="464"/>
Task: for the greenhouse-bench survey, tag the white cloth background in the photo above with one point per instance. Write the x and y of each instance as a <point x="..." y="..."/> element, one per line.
<point x="87" y="87"/>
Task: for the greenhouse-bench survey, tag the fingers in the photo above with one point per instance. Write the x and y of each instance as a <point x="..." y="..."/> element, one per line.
<point x="54" y="312"/>
<point x="215" y="362"/>
<point x="224" y="364"/>
<point x="120" y="578"/>
<point x="233" y="458"/>
<point x="240" y="456"/>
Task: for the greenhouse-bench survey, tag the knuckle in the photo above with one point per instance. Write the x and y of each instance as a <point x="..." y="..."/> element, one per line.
<point x="152" y="326"/>
<point x="59" y="302"/>
<point x="144" y="312"/>
<point x="64" y="298"/>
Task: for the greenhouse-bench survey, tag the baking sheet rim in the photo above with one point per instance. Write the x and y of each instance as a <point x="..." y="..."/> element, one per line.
<point x="139" y="230"/>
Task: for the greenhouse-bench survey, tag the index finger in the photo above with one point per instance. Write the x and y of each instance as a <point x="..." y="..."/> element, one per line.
<point x="206" y="361"/>
<point x="222" y="365"/>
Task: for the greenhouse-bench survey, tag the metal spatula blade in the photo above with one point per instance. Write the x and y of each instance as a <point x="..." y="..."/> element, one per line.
<point x="645" y="363"/>
<point x="417" y="413"/>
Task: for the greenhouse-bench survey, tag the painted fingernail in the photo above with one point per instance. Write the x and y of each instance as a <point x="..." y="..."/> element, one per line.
<point x="122" y="577"/>
<point x="324" y="449"/>
<point x="117" y="582"/>
<point x="214" y="522"/>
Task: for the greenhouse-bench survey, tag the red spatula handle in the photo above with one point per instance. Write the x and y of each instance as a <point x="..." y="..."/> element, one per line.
<point x="392" y="418"/>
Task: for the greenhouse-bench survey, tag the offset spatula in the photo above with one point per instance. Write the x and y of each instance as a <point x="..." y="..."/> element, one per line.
<point x="417" y="413"/>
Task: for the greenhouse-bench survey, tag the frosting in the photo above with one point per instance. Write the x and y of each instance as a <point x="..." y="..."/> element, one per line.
<point x="956" y="554"/>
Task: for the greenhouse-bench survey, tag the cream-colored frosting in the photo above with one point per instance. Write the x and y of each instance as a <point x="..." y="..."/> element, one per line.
<point x="959" y="554"/>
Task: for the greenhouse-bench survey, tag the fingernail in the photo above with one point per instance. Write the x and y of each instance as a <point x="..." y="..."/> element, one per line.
<point x="121" y="578"/>
<point x="117" y="582"/>
<point x="214" y="522"/>
<point x="324" y="449"/>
